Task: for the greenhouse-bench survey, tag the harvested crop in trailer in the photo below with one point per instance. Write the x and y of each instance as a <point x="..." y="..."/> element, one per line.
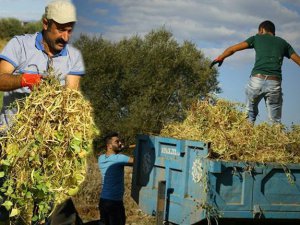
<point x="232" y="137"/>
<point x="44" y="152"/>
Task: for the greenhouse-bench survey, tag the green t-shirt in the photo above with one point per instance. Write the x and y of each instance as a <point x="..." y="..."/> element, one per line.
<point x="270" y="51"/>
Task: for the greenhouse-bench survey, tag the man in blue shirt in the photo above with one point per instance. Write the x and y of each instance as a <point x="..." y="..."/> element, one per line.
<point x="27" y="58"/>
<point x="111" y="165"/>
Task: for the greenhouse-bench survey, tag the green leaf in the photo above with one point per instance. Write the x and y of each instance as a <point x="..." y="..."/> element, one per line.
<point x="7" y="205"/>
<point x="39" y="138"/>
<point x="41" y="207"/>
<point x="59" y="136"/>
<point x="40" y="187"/>
<point x="76" y="144"/>
<point x="2" y="174"/>
<point x="28" y="194"/>
<point x="14" y="212"/>
<point x="75" y="147"/>
<point x="9" y="191"/>
<point x="37" y="176"/>
<point x="22" y="153"/>
<point x="5" y="162"/>
<point x="12" y="149"/>
<point x="34" y="218"/>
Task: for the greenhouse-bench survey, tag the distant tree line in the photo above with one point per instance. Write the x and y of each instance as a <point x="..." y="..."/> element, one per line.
<point x="10" y="27"/>
<point x="137" y="85"/>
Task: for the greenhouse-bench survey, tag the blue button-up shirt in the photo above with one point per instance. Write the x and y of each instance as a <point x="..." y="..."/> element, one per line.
<point x="27" y="54"/>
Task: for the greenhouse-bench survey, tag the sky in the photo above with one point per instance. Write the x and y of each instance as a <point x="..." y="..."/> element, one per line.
<point x="212" y="25"/>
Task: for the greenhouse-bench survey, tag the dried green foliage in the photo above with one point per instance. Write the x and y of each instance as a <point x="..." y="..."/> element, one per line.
<point x="44" y="152"/>
<point x="232" y="137"/>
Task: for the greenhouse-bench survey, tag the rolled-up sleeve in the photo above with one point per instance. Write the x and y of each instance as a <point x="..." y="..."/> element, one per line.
<point x="12" y="52"/>
<point x="77" y="63"/>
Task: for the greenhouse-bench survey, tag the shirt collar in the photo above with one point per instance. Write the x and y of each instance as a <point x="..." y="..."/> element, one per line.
<point x="39" y="45"/>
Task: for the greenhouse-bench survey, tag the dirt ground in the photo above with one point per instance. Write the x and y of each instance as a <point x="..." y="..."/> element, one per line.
<point x="86" y="201"/>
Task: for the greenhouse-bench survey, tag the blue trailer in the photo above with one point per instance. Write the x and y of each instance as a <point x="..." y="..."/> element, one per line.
<point x="175" y="181"/>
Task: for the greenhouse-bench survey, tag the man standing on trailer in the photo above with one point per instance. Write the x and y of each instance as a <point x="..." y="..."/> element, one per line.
<point x="266" y="76"/>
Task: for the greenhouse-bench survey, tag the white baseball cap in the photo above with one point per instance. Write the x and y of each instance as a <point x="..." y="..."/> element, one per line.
<point x="61" y="11"/>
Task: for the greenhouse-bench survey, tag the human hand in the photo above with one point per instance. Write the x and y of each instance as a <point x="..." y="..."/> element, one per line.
<point x="30" y="80"/>
<point x="218" y="61"/>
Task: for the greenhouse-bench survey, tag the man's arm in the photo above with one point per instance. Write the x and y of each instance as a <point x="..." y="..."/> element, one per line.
<point x="8" y="82"/>
<point x="296" y="58"/>
<point x="72" y="81"/>
<point x="232" y="49"/>
<point x="228" y="52"/>
<point x="130" y="161"/>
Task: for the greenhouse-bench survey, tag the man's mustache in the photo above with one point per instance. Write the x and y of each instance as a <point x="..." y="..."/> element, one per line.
<point x="61" y="41"/>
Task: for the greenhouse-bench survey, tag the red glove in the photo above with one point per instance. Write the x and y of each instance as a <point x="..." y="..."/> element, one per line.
<point x="216" y="61"/>
<point x="30" y="80"/>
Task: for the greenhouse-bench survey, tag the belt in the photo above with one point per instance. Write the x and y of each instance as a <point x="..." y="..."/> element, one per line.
<point x="267" y="77"/>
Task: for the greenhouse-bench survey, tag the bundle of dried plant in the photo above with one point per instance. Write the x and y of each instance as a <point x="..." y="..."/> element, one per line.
<point x="44" y="152"/>
<point x="232" y="137"/>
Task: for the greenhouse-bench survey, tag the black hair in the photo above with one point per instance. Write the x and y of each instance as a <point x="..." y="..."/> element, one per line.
<point x="109" y="136"/>
<point x="268" y="26"/>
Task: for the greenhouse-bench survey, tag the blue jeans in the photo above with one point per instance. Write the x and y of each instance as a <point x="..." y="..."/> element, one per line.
<point x="270" y="90"/>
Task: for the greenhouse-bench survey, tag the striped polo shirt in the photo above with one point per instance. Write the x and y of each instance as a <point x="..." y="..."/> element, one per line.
<point x="27" y="54"/>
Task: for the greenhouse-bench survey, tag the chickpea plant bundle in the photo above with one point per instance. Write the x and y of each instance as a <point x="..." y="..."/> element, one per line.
<point x="44" y="152"/>
<point x="232" y="137"/>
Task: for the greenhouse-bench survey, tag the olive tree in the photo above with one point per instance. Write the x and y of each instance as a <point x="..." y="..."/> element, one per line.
<point x="139" y="84"/>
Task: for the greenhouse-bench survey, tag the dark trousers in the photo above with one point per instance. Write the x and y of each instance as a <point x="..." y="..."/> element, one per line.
<point x="112" y="212"/>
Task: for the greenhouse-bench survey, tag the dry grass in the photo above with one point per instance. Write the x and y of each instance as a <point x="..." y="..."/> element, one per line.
<point x="232" y="137"/>
<point x="45" y="150"/>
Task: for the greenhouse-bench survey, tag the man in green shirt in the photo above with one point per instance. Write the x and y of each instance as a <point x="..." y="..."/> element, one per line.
<point x="266" y="76"/>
